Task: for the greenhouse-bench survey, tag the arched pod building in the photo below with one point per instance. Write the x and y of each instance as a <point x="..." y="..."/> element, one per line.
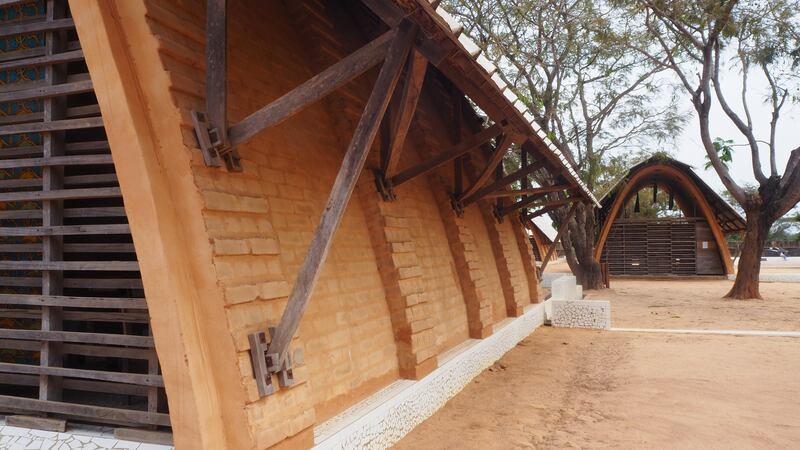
<point x="687" y="237"/>
<point x="169" y="187"/>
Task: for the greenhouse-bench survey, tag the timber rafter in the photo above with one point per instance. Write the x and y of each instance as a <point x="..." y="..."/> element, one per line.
<point x="395" y="50"/>
<point x="413" y="43"/>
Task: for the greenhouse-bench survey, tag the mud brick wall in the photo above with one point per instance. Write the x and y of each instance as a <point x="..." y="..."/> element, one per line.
<point x="404" y="280"/>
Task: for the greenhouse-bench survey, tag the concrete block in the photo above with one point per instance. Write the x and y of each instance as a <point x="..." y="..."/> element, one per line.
<point x="548" y="309"/>
<point x="549" y="277"/>
<point x="581" y="314"/>
<point x="564" y="288"/>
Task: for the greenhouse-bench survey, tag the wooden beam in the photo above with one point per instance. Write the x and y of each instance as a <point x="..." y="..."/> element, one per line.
<point x="531" y="191"/>
<point x="457" y="114"/>
<point x="79" y="316"/>
<point x="36" y="27"/>
<point x="103" y="266"/>
<point x="48" y="91"/>
<point x="75" y="55"/>
<point x="75" y="302"/>
<point x="56" y="161"/>
<point x="450" y="154"/>
<point x="60" y="194"/>
<point x="55" y="125"/>
<point x="216" y="70"/>
<point x="346" y="179"/>
<point x="499" y="203"/>
<point x="497" y="156"/>
<point x="4" y="3"/>
<point x="503" y="182"/>
<point x="388" y="12"/>
<point x="65" y="230"/>
<point x="550" y="206"/>
<point x="77" y="283"/>
<point x="38" y="423"/>
<point x="74" y="336"/>
<point x="412" y="87"/>
<point x="101" y="375"/>
<point x="523" y="154"/>
<point x="391" y="15"/>
<point x="458" y="176"/>
<point x="53" y="108"/>
<point x="8" y="402"/>
<point x="526" y="201"/>
<point x="312" y="90"/>
<point x="561" y="230"/>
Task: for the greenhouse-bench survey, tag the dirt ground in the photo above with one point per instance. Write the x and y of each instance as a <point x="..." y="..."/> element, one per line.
<point x="563" y="388"/>
<point x="698" y="305"/>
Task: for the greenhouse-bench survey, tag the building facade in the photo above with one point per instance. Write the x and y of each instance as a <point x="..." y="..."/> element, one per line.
<point x="137" y="246"/>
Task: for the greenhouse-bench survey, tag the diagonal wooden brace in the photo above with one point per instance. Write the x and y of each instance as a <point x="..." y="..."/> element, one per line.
<point x="210" y="128"/>
<point x="275" y="355"/>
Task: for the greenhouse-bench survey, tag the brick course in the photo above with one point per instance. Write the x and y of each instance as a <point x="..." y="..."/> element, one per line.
<point x="404" y="280"/>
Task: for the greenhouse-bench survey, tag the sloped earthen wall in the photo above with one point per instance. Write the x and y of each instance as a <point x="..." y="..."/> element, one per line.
<point x="404" y="280"/>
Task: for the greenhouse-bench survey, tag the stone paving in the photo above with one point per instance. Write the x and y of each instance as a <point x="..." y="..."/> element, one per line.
<point x="16" y="438"/>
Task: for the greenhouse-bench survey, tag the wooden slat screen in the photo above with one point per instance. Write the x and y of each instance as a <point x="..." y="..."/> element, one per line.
<point x="75" y="338"/>
<point x="651" y="247"/>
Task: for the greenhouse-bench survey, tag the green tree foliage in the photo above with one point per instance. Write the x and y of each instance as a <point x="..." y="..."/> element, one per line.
<point x="724" y="150"/>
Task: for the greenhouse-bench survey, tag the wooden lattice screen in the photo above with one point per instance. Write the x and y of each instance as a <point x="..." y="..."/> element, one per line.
<point x="651" y="247"/>
<point x="75" y="339"/>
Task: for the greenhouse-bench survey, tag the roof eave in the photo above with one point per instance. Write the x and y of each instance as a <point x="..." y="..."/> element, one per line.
<point x="492" y="84"/>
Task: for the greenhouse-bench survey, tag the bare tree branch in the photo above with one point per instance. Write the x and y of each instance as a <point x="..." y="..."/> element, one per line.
<point x="747" y="131"/>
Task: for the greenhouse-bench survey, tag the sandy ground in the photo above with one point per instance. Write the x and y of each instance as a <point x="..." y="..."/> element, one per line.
<point x="564" y="388"/>
<point x="779" y="265"/>
<point x="698" y="305"/>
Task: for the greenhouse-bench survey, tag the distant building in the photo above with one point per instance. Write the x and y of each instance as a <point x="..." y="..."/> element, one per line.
<point x="687" y="238"/>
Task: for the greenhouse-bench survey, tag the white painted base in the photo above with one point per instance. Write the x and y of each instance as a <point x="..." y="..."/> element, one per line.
<point x="384" y="423"/>
<point x="548" y="309"/>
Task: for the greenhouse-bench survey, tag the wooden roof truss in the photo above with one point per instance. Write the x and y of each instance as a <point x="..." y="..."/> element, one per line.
<point x="404" y="54"/>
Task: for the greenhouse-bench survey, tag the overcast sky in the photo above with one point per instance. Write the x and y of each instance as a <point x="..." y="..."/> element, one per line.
<point x="690" y="150"/>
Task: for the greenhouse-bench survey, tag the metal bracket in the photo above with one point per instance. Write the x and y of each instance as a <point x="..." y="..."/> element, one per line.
<point x="457" y="206"/>
<point x="214" y="152"/>
<point x="497" y="212"/>
<point x="266" y="364"/>
<point x="384" y="186"/>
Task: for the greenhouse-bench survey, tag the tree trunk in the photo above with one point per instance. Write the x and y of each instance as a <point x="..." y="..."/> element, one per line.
<point x="749" y="268"/>
<point x="579" y="245"/>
